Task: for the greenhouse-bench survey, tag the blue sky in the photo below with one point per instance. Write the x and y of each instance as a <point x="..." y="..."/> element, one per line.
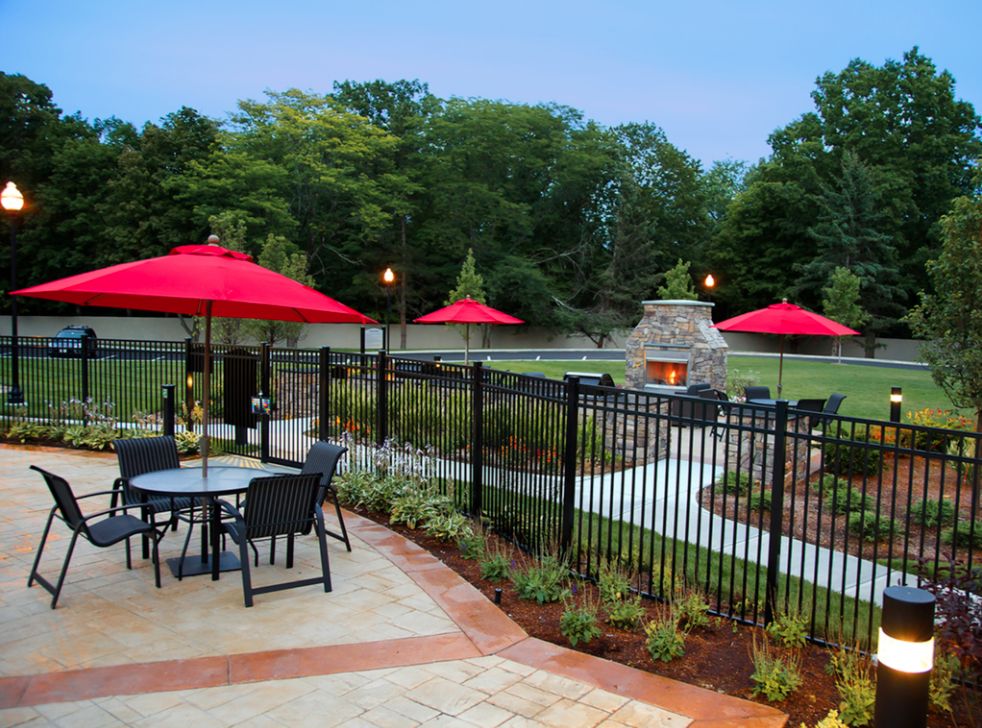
<point x="718" y="77"/>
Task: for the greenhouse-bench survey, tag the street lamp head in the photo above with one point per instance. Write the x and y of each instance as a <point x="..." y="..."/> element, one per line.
<point x="388" y="276"/>
<point x="710" y="281"/>
<point x="11" y="199"/>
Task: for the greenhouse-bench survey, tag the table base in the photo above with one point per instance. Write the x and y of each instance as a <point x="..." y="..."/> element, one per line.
<point x="194" y="566"/>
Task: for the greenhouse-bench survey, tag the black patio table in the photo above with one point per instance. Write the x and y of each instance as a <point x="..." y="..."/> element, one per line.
<point x="791" y="402"/>
<point x="221" y="481"/>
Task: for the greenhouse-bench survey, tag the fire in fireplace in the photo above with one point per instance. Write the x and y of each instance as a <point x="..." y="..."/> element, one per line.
<point x="670" y="368"/>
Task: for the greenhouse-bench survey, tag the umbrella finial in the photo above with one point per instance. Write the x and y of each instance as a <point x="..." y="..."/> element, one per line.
<point x="783" y="300"/>
<point x="213" y="240"/>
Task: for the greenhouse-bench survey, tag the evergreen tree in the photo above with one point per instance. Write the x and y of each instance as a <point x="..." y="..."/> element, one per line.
<point x="840" y="301"/>
<point x="848" y="236"/>
<point x="470" y="284"/>
<point x="678" y="284"/>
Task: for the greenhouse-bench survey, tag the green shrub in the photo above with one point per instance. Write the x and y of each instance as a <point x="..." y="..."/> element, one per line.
<point x="932" y="513"/>
<point x="664" y="641"/>
<point x="473" y="545"/>
<point x="613" y="584"/>
<point x="847" y="498"/>
<point x="734" y="483"/>
<point x="843" y="458"/>
<point x="692" y="612"/>
<point x="625" y="613"/>
<point x="774" y="677"/>
<point x="830" y="483"/>
<point x="579" y="624"/>
<point x="495" y="564"/>
<point x="790" y="628"/>
<point x="416" y="506"/>
<point x="854" y="681"/>
<point x="963" y="534"/>
<point x="448" y="526"/>
<point x="868" y="527"/>
<point x="759" y="500"/>
<point x="544" y="580"/>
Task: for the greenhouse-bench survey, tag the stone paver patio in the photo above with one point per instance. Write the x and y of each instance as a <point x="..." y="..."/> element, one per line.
<point x="400" y="641"/>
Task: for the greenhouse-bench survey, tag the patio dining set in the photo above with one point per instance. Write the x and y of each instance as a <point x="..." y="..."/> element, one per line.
<point x="153" y="483"/>
<point x="694" y="413"/>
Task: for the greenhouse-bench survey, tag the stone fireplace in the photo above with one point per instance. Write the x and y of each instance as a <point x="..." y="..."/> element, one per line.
<point x="675" y="346"/>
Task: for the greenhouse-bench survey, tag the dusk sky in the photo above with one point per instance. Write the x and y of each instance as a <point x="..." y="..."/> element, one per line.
<point x="717" y="76"/>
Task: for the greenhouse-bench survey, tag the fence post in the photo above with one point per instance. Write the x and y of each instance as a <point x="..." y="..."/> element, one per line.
<point x="569" y="465"/>
<point x="85" y="377"/>
<point x="265" y="384"/>
<point x="381" y="399"/>
<point x="324" y="393"/>
<point x="779" y="456"/>
<point x="168" y="410"/>
<point x="477" y="442"/>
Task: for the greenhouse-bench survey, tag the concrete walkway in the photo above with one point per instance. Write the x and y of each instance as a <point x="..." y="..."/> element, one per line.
<point x="400" y="641"/>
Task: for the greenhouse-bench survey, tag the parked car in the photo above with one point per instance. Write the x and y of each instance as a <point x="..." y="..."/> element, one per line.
<point x="68" y="341"/>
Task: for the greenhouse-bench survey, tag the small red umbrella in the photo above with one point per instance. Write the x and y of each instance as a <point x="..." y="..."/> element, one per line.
<point x="199" y="280"/>
<point x="468" y="311"/>
<point x="784" y="318"/>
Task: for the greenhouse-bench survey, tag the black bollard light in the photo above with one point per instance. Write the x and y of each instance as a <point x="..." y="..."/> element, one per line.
<point x="497" y="595"/>
<point x="896" y="402"/>
<point x="168" y="410"/>
<point x="906" y="658"/>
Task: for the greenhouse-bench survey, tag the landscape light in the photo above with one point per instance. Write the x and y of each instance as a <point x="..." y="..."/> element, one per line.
<point x="12" y="201"/>
<point x="388" y="277"/>
<point x="906" y="658"/>
<point x="896" y="401"/>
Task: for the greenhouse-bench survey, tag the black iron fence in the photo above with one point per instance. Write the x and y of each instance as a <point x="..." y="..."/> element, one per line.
<point x="763" y="509"/>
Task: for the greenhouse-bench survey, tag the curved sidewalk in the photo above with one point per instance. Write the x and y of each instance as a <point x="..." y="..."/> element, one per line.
<point x="401" y="641"/>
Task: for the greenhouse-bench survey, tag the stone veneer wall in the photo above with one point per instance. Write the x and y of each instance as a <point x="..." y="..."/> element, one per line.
<point x="678" y="322"/>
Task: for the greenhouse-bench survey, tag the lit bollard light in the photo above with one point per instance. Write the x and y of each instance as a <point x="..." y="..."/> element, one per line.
<point x="906" y="658"/>
<point x="896" y="402"/>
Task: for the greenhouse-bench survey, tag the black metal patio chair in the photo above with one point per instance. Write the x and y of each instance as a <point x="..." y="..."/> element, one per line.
<point x="323" y="458"/>
<point x="110" y="530"/>
<point x="832" y="407"/>
<point x="281" y="505"/>
<point x="757" y="393"/>
<point x="811" y="405"/>
<point x="141" y="455"/>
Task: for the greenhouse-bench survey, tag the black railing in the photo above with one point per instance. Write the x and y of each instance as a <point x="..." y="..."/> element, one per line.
<point x="764" y="509"/>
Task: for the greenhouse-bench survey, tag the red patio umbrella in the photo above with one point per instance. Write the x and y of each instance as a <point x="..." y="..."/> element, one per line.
<point x="784" y="318"/>
<point x="468" y="311"/>
<point x="199" y="280"/>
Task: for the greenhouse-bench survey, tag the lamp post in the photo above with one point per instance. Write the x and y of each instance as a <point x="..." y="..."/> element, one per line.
<point x="710" y="282"/>
<point x="12" y="201"/>
<point x="388" y="277"/>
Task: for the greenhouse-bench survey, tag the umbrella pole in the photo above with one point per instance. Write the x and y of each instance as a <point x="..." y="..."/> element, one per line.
<point x="467" y="345"/>
<point x="780" y="368"/>
<point x="207" y="386"/>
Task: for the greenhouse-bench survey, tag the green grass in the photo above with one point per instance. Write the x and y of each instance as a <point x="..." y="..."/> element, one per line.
<point x="867" y="389"/>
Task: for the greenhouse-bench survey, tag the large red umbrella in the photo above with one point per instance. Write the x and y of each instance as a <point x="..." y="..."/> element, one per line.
<point x="199" y="280"/>
<point x="468" y="311"/>
<point x="784" y="318"/>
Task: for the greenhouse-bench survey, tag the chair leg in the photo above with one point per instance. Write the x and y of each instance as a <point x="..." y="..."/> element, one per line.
<point x="148" y="518"/>
<point x="246" y="575"/>
<point x="272" y="551"/>
<point x="325" y="561"/>
<point x="344" y="531"/>
<point x="64" y="570"/>
<point x="37" y="559"/>
<point x="289" y="551"/>
<point x="156" y="554"/>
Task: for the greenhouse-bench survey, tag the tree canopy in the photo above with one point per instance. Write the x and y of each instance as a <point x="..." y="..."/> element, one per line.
<point x="571" y="224"/>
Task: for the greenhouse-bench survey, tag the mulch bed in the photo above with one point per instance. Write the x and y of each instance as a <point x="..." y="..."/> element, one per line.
<point x="919" y="476"/>
<point x="716" y="658"/>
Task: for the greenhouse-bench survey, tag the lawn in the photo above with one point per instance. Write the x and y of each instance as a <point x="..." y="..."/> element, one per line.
<point x="867" y="388"/>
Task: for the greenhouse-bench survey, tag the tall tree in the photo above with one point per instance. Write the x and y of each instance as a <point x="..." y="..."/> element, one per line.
<point x="400" y="109"/>
<point x="906" y="125"/>
<point x="949" y="320"/>
<point x="848" y="236"/>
